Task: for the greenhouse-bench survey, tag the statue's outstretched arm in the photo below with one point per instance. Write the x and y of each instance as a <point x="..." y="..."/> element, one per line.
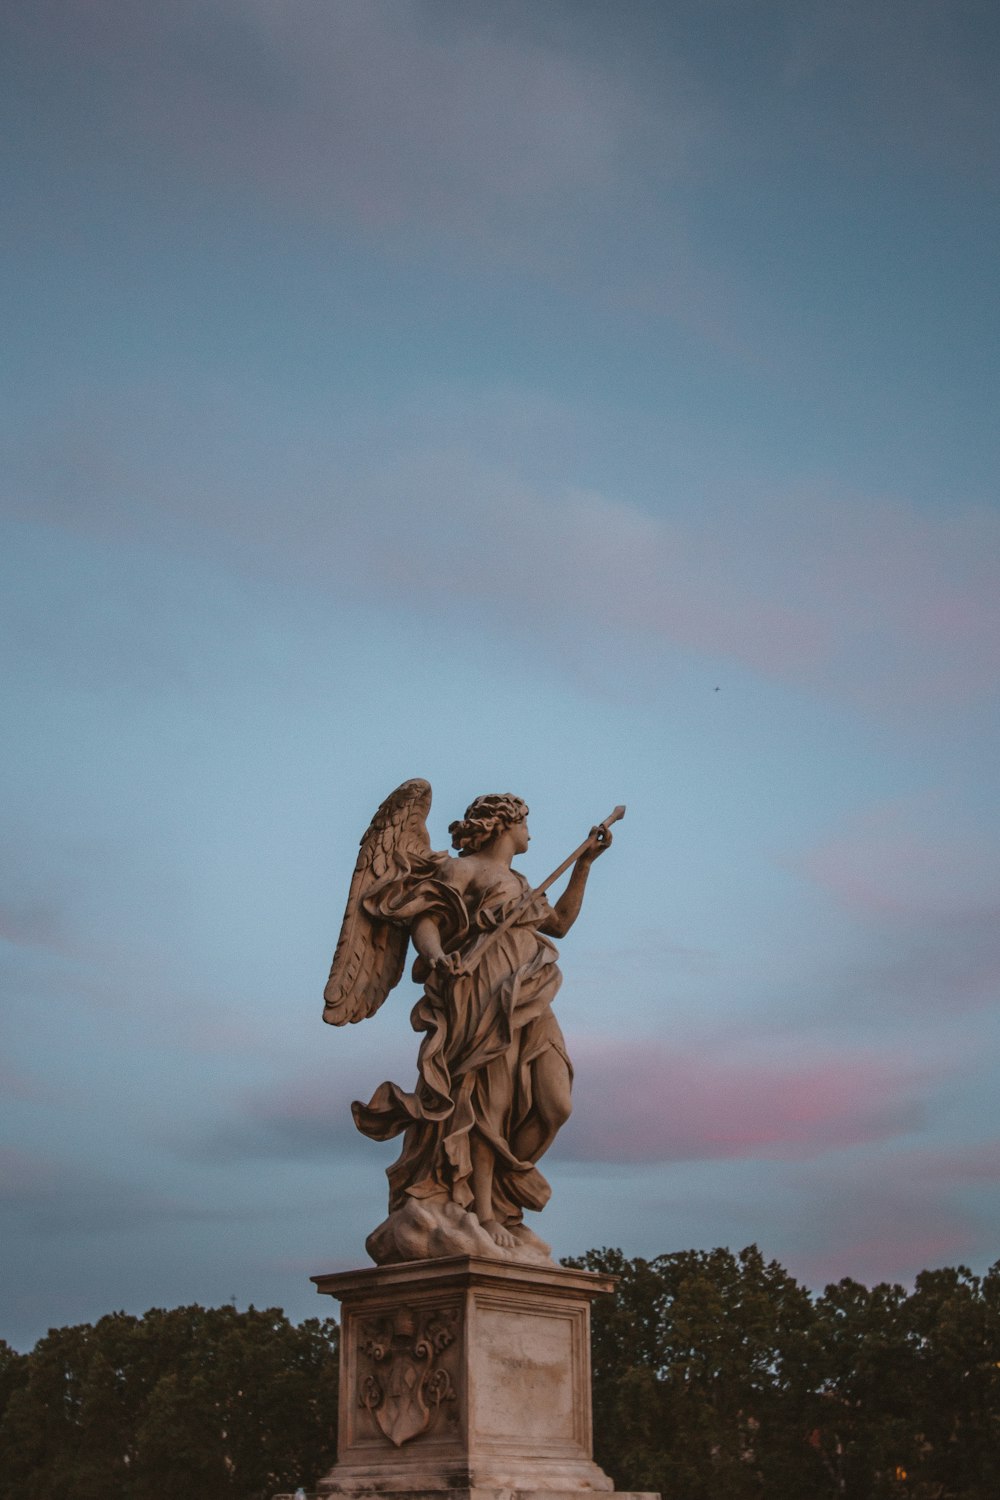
<point x="567" y="908"/>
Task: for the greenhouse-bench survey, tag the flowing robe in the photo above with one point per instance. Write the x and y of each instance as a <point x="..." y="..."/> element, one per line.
<point x="482" y="1033"/>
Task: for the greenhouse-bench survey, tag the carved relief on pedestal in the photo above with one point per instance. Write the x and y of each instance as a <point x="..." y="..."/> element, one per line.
<point x="403" y="1375"/>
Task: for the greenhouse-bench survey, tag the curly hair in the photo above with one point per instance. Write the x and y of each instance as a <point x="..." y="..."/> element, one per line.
<point x="484" y="819"/>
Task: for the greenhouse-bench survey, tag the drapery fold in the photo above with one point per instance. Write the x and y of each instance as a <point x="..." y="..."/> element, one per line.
<point x="481" y="1034"/>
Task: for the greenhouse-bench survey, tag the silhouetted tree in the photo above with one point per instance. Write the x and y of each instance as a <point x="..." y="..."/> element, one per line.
<point x="717" y="1375"/>
<point x="954" y="1322"/>
<point x="13" y="1374"/>
<point x="187" y="1403"/>
<point x="865" y="1375"/>
<point x="703" y="1376"/>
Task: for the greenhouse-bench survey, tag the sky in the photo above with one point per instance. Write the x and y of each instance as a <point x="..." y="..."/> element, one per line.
<point x="594" y="402"/>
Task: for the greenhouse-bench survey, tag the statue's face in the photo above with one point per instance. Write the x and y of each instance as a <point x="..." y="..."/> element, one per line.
<point x="522" y="838"/>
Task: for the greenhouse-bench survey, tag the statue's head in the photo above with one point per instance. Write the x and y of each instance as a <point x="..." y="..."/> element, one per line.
<point x="484" y="819"/>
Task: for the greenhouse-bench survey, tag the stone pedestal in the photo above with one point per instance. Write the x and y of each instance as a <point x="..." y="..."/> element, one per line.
<point x="466" y="1378"/>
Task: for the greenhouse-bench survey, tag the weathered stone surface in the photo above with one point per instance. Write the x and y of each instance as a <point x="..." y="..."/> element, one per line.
<point x="465" y="1376"/>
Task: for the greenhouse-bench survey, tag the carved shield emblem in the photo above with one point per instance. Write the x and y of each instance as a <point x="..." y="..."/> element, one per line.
<point x="404" y="1413"/>
<point x="406" y="1385"/>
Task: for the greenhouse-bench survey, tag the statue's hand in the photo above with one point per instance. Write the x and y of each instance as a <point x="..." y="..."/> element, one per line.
<point x="447" y="965"/>
<point x="600" y="839"/>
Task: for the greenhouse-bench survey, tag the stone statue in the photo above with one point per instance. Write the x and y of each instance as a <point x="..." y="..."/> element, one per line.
<point x="494" y="1076"/>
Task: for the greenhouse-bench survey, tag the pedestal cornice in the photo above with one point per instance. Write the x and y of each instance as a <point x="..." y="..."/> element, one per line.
<point x="462" y="1271"/>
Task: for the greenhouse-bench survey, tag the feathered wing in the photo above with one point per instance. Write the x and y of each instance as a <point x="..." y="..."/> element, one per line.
<point x="369" y="957"/>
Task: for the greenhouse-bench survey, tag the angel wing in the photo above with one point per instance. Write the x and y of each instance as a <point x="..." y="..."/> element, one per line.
<point x="369" y="957"/>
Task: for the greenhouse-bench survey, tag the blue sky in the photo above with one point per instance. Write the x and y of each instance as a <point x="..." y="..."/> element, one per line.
<point x="593" y="402"/>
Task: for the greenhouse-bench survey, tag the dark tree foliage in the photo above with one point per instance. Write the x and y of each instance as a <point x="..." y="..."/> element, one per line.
<point x="718" y="1377"/>
<point x="913" y="1386"/>
<point x="13" y="1374"/>
<point x="181" y="1405"/>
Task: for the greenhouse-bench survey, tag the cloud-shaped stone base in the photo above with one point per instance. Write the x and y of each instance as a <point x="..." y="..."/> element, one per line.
<point x="432" y="1228"/>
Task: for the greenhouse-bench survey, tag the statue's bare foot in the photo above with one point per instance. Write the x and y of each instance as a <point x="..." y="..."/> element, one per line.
<point x="499" y="1235"/>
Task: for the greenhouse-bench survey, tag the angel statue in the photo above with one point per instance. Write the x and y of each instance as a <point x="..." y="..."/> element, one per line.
<point x="494" y="1077"/>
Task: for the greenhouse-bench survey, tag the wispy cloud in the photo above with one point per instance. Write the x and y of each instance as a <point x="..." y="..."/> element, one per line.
<point x="41" y="1195"/>
<point x="908" y="859"/>
<point x="395" y="117"/>
<point x="890" y="1214"/>
<point x="651" y="1101"/>
<point x="304" y="1115"/>
<point x="870" y="600"/>
<point x="924" y="886"/>
<point x="642" y="1102"/>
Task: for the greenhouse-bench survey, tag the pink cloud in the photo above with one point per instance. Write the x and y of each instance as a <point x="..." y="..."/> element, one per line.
<point x="651" y="1101"/>
<point x="924" y="886"/>
<point x="891" y="1214"/>
<point x="956" y="1165"/>
<point x="640" y="1102"/>
<point x="907" y="859"/>
<point x="896" y="1250"/>
<point x="918" y="593"/>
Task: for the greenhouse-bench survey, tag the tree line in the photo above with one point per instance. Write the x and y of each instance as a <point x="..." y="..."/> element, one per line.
<point x="717" y="1376"/>
<point x="193" y="1403"/>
